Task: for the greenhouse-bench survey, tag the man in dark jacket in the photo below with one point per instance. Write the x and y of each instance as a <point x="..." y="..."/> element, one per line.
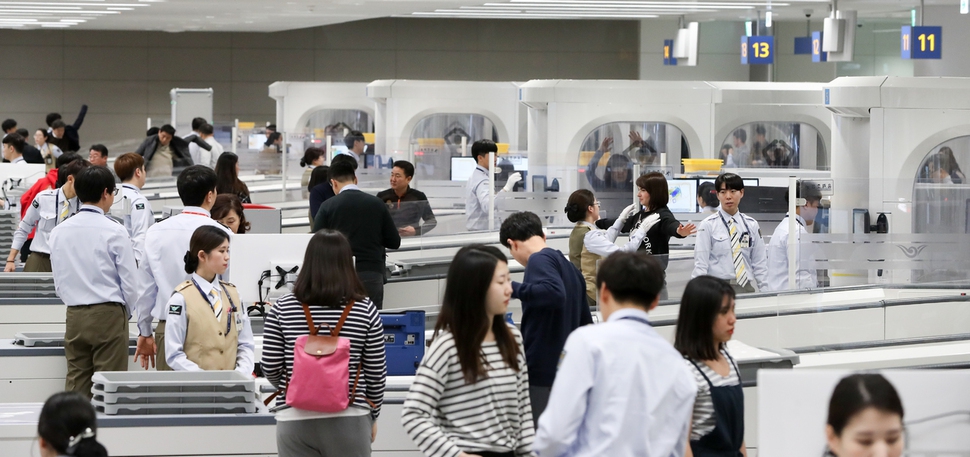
<point x="31" y="154"/>
<point x="407" y="206"/>
<point x="366" y="223"/>
<point x="163" y="151"/>
<point x="66" y="136"/>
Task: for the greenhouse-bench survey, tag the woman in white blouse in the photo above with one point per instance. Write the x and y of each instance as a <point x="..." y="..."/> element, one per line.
<point x="48" y="151"/>
<point x="470" y="396"/>
<point x="704" y="326"/>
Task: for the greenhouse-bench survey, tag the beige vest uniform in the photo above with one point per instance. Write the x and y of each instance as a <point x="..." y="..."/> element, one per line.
<point x="206" y="343"/>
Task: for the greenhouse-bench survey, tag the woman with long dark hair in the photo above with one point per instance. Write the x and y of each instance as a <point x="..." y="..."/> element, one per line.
<point x="865" y="414"/>
<point x="470" y="395"/>
<point x="320" y="189"/>
<point x="68" y="426"/>
<point x="325" y="288"/>
<point x="704" y="326"/>
<point x="312" y="158"/>
<point x="207" y="326"/>
<point x="227" y="177"/>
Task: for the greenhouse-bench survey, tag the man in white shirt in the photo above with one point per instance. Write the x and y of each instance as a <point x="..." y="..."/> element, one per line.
<point x="602" y="404"/>
<point x="13" y="148"/>
<point x="729" y="244"/>
<point x="477" y="192"/>
<point x="194" y="150"/>
<point x="133" y="208"/>
<point x="96" y="277"/>
<point x="806" y="208"/>
<point x="163" y="267"/>
<point x="211" y="157"/>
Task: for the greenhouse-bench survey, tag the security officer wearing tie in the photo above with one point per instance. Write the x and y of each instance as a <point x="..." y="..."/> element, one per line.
<point x="163" y="266"/>
<point x="729" y="244"/>
<point x="96" y="277"/>
<point x="477" y="201"/>
<point x="622" y="390"/>
<point x="207" y="326"/>
<point x="133" y="208"/>
<point x="807" y="198"/>
<point x="49" y="208"/>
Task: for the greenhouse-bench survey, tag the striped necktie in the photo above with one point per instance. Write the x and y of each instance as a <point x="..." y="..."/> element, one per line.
<point x="65" y="209"/>
<point x="216" y="302"/>
<point x="740" y="269"/>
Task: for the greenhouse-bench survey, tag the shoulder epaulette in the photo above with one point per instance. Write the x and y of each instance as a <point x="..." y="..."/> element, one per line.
<point x="183" y="285"/>
<point x="227" y="283"/>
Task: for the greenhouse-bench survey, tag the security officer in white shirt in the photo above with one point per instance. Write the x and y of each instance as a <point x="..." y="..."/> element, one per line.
<point x="49" y="208"/>
<point x="163" y="266"/>
<point x="96" y="277"/>
<point x="729" y="244"/>
<point x="602" y="403"/>
<point x="807" y="200"/>
<point x="13" y="148"/>
<point x="133" y="208"/>
<point x="477" y="190"/>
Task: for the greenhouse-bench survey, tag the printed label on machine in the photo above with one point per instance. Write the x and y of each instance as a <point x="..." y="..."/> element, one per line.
<point x="410" y="341"/>
<point x="389" y="339"/>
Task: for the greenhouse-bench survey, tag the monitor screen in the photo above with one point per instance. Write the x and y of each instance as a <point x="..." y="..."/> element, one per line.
<point x="257" y="141"/>
<point x="462" y="168"/>
<point x="518" y="162"/>
<point x="748" y="182"/>
<point x="683" y="195"/>
<point x="764" y="200"/>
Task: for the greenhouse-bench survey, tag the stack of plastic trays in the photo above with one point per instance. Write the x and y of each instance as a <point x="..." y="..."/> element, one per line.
<point x="173" y="392"/>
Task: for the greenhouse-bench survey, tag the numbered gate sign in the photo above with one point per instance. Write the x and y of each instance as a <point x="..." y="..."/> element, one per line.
<point x="818" y="55"/>
<point x="757" y="50"/>
<point x="922" y="42"/>
<point x="669" y="53"/>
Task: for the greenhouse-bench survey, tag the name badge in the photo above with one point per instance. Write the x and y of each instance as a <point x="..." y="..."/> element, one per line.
<point x="745" y="241"/>
<point x="238" y="320"/>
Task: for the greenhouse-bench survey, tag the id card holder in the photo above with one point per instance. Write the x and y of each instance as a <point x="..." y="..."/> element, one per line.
<point x="745" y="241"/>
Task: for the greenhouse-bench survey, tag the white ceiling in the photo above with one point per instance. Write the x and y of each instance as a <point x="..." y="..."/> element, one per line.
<point x="276" y="15"/>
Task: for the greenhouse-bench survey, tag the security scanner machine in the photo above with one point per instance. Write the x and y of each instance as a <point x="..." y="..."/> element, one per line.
<point x="896" y="151"/>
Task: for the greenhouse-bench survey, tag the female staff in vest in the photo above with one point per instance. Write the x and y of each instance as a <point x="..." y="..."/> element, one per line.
<point x="704" y="326"/>
<point x="207" y="326"/>
<point x="583" y="209"/>
<point x="470" y="395"/>
<point x="327" y="282"/>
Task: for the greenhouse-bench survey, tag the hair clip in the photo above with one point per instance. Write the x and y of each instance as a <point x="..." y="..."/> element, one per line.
<point x="76" y="440"/>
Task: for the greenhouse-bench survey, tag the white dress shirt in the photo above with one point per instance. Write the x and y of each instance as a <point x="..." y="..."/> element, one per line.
<point x="209" y="158"/>
<point x="622" y="390"/>
<point x="136" y="211"/>
<point x="177" y="324"/>
<point x="44" y="214"/>
<point x="93" y="261"/>
<point x="164" y="265"/>
<point x="712" y="250"/>
<point x="601" y="242"/>
<point x="19" y="159"/>
<point x="805" y="275"/>
<point x="477" y="201"/>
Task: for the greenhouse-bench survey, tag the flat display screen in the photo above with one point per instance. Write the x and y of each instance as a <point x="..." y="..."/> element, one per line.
<point x="683" y="195"/>
<point x="462" y="168"/>
<point x="748" y="182"/>
<point x="257" y="141"/>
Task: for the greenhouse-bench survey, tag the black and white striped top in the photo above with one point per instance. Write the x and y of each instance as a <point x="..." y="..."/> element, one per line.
<point x="286" y="321"/>
<point x="444" y="415"/>
<point x="704" y="420"/>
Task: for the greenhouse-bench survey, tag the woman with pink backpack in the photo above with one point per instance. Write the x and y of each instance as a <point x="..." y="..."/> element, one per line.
<point x="323" y="347"/>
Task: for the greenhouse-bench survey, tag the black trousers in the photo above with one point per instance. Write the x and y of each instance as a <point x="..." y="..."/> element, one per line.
<point x="374" y="282"/>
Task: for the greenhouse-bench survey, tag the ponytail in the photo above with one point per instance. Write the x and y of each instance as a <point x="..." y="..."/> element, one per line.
<point x="85" y="445"/>
<point x="191" y="262"/>
<point x="68" y="424"/>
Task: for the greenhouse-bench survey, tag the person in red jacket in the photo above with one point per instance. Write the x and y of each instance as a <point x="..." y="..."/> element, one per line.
<point x="49" y="181"/>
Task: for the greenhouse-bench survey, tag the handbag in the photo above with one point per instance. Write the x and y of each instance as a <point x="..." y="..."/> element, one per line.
<point x="321" y="369"/>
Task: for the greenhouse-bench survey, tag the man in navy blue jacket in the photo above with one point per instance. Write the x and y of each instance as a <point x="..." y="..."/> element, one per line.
<point x="553" y="295"/>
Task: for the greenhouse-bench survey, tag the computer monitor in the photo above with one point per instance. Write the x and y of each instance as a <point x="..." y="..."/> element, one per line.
<point x="462" y="168"/>
<point x="762" y="200"/>
<point x="257" y="141"/>
<point x="683" y="195"/>
<point x="748" y="182"/>
<point x="518" y="162"/>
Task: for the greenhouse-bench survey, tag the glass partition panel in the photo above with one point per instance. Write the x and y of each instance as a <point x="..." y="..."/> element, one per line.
<point x="438" y="138"/>
<point x="775" y="145"/>
<point x="337" y="123"/>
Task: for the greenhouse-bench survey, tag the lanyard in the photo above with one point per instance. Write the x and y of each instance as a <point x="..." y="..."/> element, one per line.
<point x="196" y="213"/>
<point x="634" y="318"/>
<point x="746" y="229"/>
<point x="89" y="210"/>
<point x="232" y="306"/>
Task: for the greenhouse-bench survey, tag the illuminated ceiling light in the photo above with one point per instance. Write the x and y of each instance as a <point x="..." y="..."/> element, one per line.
<point x="535" y="15"/>
<point x="115" y="8"/>
<point x="69" y="4"/>
<point x="636" y="2"/>
<point x="768" y="19"/>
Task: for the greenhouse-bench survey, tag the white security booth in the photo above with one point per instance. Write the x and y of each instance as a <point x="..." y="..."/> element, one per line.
<point x="322" y="108"/>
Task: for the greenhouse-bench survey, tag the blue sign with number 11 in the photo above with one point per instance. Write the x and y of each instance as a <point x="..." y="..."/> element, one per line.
<point x="921" y="42"/>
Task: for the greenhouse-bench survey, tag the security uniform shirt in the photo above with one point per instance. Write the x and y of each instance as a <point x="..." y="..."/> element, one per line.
<point x="407" y="211"/>
<point x="164" y="265"/>
<point x="712" y="251"/>
<point x="622" y="390"/>
<point x="477" y="201"/>
<point x="805" y="275"/>
<point x="195" y="339"/>
<point x="93" y="261"/>
<point x="136" y="212"/>
<point x="49" y="208"/>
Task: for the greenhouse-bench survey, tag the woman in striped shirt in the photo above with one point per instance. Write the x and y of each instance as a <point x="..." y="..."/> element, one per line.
<point x="327" y="282"/>
<point x="704" y="326"/>
<point x="470" y="396"/>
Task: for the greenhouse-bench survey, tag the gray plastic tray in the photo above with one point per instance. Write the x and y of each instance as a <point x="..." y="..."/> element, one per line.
<point x="51" y="339"/>
<point x="135" y="398"/>
<point x="172" y="381"/>
<point x="174" y="408"/>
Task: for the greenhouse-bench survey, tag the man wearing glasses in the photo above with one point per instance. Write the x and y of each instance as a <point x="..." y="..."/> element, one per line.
<point x="729" y="244"/>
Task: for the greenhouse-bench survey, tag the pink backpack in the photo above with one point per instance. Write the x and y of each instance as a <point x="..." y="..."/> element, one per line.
<point x="321" y="369"/>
